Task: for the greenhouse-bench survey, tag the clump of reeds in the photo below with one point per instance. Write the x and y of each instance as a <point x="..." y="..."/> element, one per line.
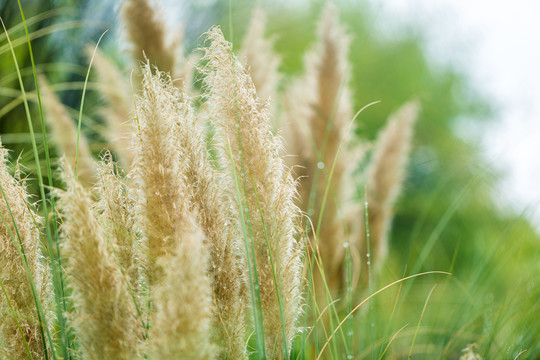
<point x="319" y="115"/>
<point x="164" y="256"/>
<point x="319" y="111"/>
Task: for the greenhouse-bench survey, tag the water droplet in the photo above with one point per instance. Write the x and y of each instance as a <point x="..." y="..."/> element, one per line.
<point x="368" y="255"/>
<point x="350" y="333"/>
<point x="349" y="357"/>
<point x="345" y="245"/>
<point x="369" y="262"/>
<point x="320" y="165"/>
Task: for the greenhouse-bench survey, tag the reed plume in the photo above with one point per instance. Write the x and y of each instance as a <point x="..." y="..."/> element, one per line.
<point x="158" y="175"/>
<point x="64" y="133"/>
<point x="386" y="173"/>
<point x="267" y="196"/>
<point x="318" y="111"/>
<point x="178" y="270"/>
<point x="146" y="31"/>
<point x="260" y="59"/>
<point x="183" y="300"/>
<point x="115" y="207"/>
<point x="218" y="223"/>
<point x="20" y="266"/>
<point x="117" y="112"/>
<point x="105" y="315"/>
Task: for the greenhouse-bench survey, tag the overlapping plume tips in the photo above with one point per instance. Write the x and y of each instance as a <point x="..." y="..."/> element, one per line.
<point x="319" y="110"/>
<point x="105" y="314"/>
<point x="23" y="279"/>
<point x="177" y="269"/>
<point x="261" y="60"/>
<point x="265" y="199"/>
<point x="64" y="133"/>
<point x="386" y="174"/>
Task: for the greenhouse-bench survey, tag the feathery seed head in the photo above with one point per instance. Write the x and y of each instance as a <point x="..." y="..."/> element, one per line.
<point x="386" y="174"/>
<point x="147" y="33"/>
<point x="261" y="60"/>
<point x="105" y="315"/>
<point x="19" y="240"/>
<point x="244" y="132"/>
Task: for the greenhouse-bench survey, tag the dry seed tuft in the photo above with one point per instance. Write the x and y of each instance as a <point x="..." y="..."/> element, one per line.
<point x="386" y="174"/>
<point x="261" y="60"/>
<point x="19" y="234"/>
<point x="267" y="190"/>
<point x="105" y="315"/>
<point x="64" y="133"/>
<point x="318" y="111"/>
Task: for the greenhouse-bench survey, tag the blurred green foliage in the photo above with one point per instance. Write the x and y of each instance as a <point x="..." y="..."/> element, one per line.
<point x="446" y="219"/>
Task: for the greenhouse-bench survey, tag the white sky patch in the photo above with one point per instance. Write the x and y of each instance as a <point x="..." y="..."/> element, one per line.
<point x="497" y="43"/>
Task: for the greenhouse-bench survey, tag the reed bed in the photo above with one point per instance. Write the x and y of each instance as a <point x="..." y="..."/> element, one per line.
<point x="202" y="232"/>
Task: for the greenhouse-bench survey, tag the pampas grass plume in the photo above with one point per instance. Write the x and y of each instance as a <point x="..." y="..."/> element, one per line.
<point x="183" y="301"/>
<point x="218" y="223"/>
<point x="117" y="112"/>
<point x="146" y="31"/>
<point x="261" y="60"/>
<point x="386" y="174"/>
<point x="64" y="133"/>
<point x="158" y="171"/>
<point x="13" y="274"/>
<point x="116" y="213"/>
<point x="105" y="315"/>
<point x="268" y="192"/>
<point x="318" y="111"/>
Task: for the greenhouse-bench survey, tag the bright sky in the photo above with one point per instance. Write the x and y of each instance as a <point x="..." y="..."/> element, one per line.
<point x="498" y="45"/>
